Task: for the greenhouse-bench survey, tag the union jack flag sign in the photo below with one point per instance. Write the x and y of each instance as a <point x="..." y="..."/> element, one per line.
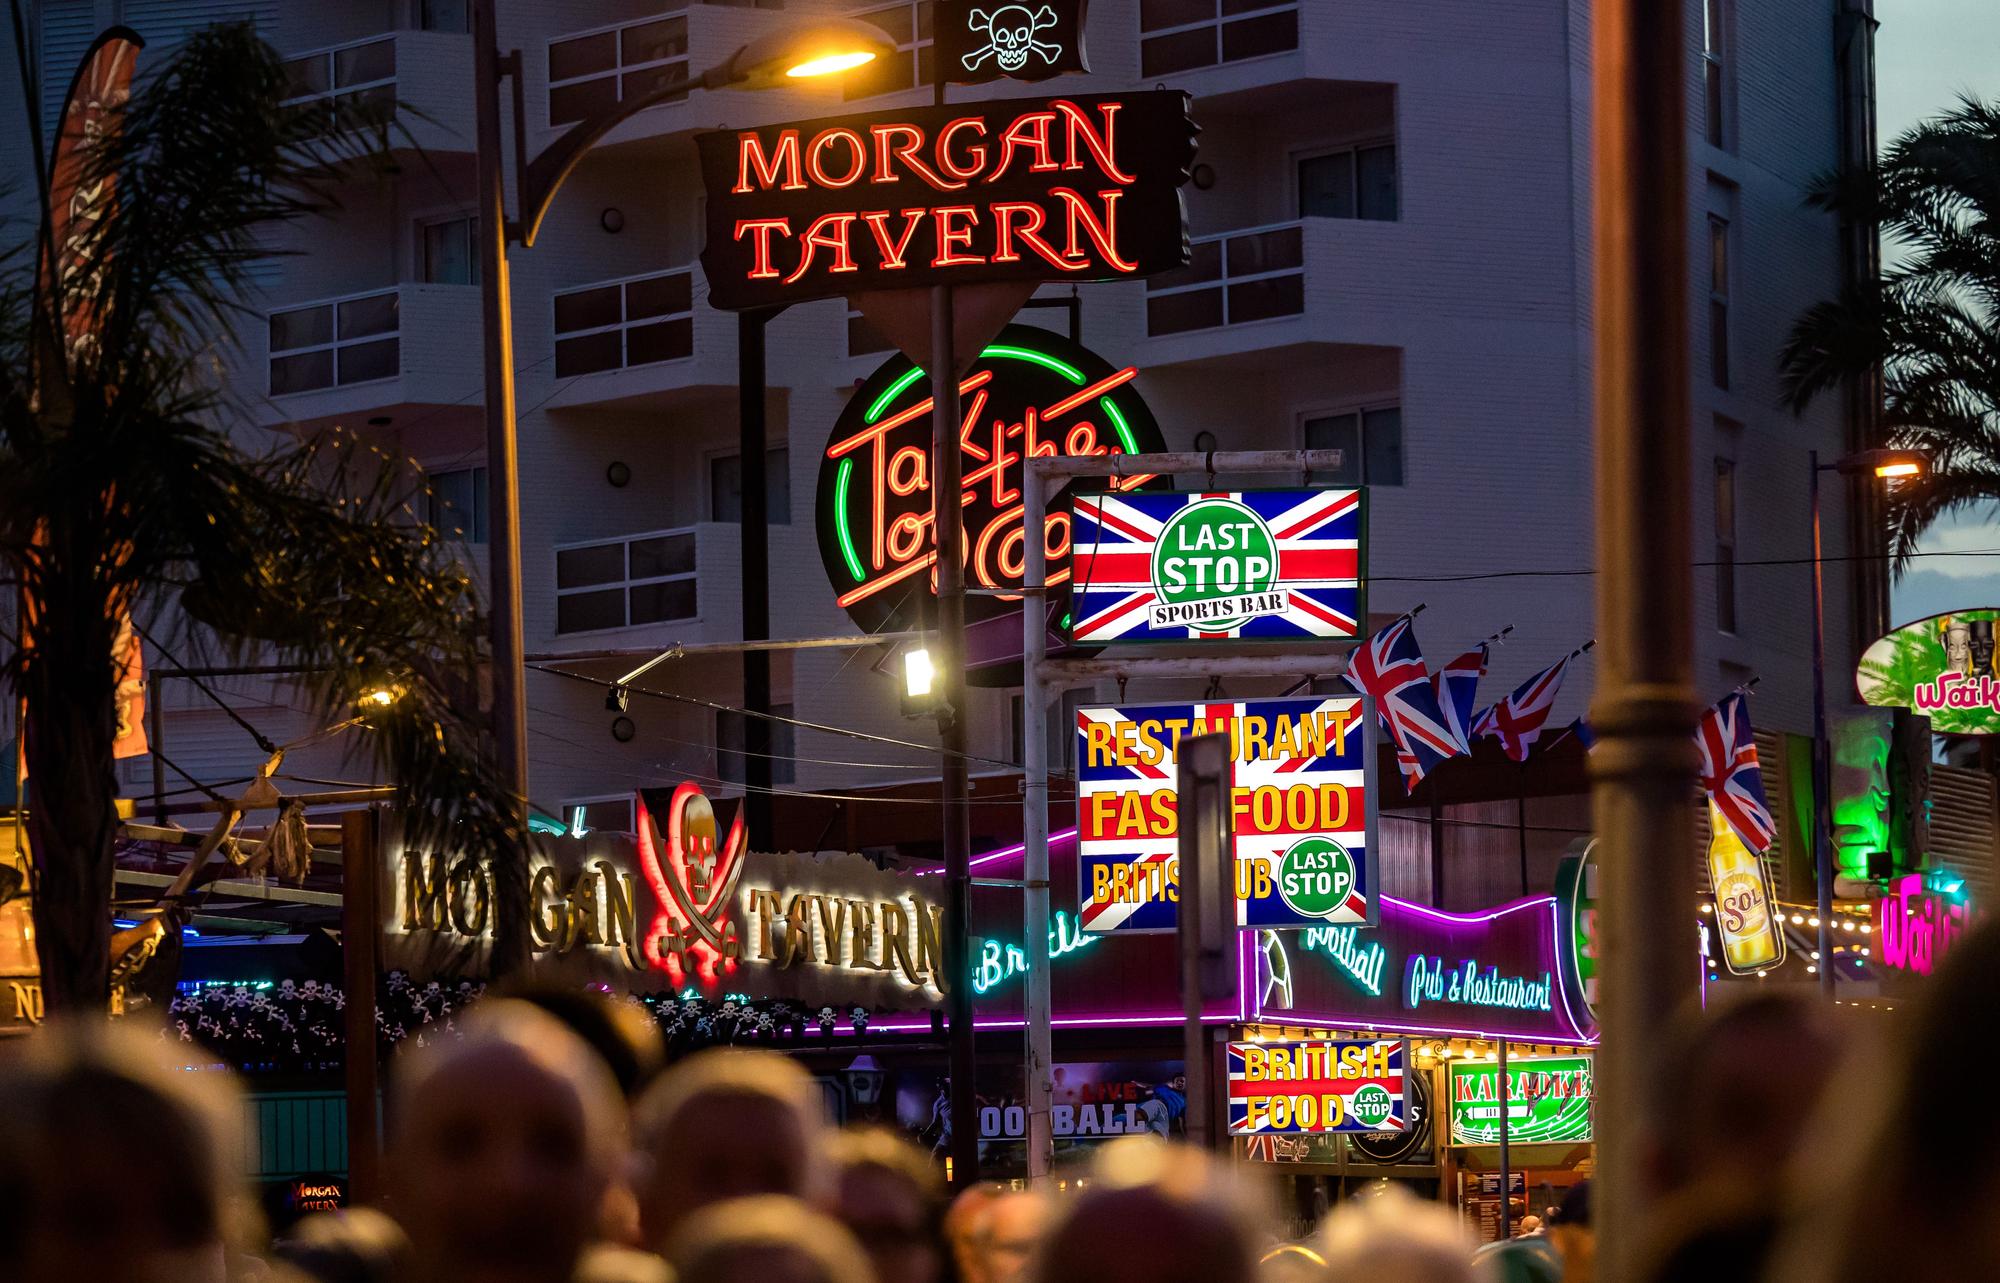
<point x="1258" y="565"/>
<point x="1304" y="804"/>
<point x="1325" y="1085"/>
<point x="1730" y="773"/>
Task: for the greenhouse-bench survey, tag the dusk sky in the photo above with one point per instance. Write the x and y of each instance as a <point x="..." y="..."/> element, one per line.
<point x="1929" y="52"/>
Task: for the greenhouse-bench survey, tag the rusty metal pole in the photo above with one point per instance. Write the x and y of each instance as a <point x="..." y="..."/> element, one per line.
<point x="360" y="925"/>
<point x="1643" y="769"/>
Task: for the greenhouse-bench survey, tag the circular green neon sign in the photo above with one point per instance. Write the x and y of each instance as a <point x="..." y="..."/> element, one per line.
<point x="1315" y="876"/>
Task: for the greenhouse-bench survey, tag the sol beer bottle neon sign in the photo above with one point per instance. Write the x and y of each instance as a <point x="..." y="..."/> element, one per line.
<point x="1031" y="392"/>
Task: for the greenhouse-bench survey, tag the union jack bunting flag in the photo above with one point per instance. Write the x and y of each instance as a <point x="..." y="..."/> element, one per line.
<point x="1389" y="668"/>
<point x="1289" y="751"/>
<point x="1517" y="720"/>
<point x="1268" y="565"/>
<point x="1730" y="773"/>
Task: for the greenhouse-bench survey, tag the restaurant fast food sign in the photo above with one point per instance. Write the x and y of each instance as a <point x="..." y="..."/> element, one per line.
<point x="1079" y="188"/>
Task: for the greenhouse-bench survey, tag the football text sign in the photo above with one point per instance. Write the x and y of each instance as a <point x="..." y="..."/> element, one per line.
<point x="1247" y="565"/>
<point x="1303" y="811"/>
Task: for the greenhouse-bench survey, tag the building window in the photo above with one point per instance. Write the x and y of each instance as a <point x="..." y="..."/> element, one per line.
<point x="618" y="583"/>
<point x="444" y="15"/>
<point x="1370" y="442"/>
<point x="725" y="487"/>
<point x="449" y="251"/>
<point x="1718" y="301"/>
<point x="333" y="344"/>
<point x="597" y="70"/>
<point x="908" y="26"/>
<point x="457" y="504"/>
<point x="1725" y="545"/>
<point x="731" y="750"/>
<point x="1181" y="35"/>
<point x="1357" y="182"/>
<point x="1715" y="42"/>
<point x="620" y="324"/>
<point x="600" y="814"/>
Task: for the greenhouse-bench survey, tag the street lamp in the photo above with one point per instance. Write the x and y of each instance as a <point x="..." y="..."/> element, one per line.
<point x="817" y="48"/>
<point x="1885" y="465"/>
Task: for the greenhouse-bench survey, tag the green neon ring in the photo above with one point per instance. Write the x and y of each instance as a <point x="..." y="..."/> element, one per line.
<point x="893" y="391"/>
<point x="1112" y="412"/>
<point x="840" y="520"/>
<point x="1063" y="368"/>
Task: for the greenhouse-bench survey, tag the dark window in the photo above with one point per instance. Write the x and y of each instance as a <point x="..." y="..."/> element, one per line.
<point x="1370" y="443"/>
<point x="1352" y="183"/>
<point x="731" y="746"/>
<point x="1182" y="35"/>
<point x="444" y="15"/>
<point x="1715" y="41"/>
<point x="1725" y="545"/>
<point x="451" y="251"/>
<point x="725" y="487"/>
<point x="457" y="504"/>
<point x="1718" y="301"/>
<point x="595" y="72"/>
<point x="612" y="816"/>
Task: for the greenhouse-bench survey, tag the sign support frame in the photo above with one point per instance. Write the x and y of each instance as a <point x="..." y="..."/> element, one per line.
<point x="1038" y="673"/>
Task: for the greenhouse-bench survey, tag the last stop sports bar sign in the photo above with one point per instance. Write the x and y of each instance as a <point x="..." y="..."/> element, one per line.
<point x="1076" y="188"/>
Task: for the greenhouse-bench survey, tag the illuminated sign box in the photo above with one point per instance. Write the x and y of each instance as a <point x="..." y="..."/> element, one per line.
<point x="1322" y="1085"/>
<point x="1942" y="667"/>
<point x="1303" y="806"/>
<point x="1084" y="188"/>
<point x="1241" y="565"/>
<point x="1548" y="1101"/>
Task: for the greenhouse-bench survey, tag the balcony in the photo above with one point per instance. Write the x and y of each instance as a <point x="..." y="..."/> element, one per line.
<point x="640" y="341"/>
<point x="382" y="353"/>
<point x="362" y="74"/>
<point x="1268" y="289"/>
<point x="659" y="586"/>
<point x="582" y="73"/>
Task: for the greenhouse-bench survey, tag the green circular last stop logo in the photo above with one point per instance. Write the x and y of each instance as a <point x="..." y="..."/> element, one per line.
<point x="1371" y="1105"/>
<point x="1214" y="552"/>
<point x="1315" y="876"/>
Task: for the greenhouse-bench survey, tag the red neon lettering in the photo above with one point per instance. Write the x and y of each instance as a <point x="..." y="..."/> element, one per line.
<point x="1028" y="133"/>
<point x="760" y="230"/>
<point x="1100" y="144"/>
<point x="751" y="158"/>
<point x="1030" y="234"/>
<point x="818" y="148"/>
<point x="951" y="239"/>
<point x="892" y="254"/>
<point x="913" y="141"/>
<point x="977" y="152"/>
<point x="1102" y="233"/>
<point x="909" y="470"/>
<point x="816" y="239"/>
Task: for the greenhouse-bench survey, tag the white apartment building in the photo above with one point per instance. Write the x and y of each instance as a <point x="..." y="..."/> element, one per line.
<point x="1391" y="217"/>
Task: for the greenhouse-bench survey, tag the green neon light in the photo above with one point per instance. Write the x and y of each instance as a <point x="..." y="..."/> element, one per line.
<point x="998" y="963"/>
<point x="840" y="520"/>
<point x="1063" y="368"/>
<point x="893" y="391"/>
<point x="1118" y="421"/>
<point x="1064" y="621"/>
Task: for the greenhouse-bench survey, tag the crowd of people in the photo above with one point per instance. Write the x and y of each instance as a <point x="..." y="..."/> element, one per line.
<point x="548" y="1145"/>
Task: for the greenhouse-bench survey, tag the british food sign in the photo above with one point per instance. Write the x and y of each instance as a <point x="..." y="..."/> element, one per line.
<point x="1303" y="810"/>
<point x="1082" y="188"/>
<point x="1252" y="565"/>
<point x="1323" y="1085"/>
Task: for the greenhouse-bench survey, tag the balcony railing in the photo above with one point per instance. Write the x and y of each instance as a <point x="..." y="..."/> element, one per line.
<point x="593" y="71"/>
<point x="358" y="78"/>
<point x="1184" y="35"/>
<point x="636" y="320"/>
<point x="336" y="342"/>
<point x="617" y="583"/>
<point x="1231" y="279"/>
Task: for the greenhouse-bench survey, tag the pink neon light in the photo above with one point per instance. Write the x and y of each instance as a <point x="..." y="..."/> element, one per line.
<point x="1469" y="919"/>
<point x="1006" y="852"/>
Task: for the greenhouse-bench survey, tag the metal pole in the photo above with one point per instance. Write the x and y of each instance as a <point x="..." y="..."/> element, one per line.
<point x="360" y="926"/>
<point x="1035" y="823"/>
<point x="755" y="566"/>
<point x="1521" y="823"/>
<point x="1821" y="764"/>
<point x="1506" y="1165"/>
<point x="157" y="740"/>
<point x="503" y="505"/>
<point x="1644" y="767"/>
<point x="948" y="517"/>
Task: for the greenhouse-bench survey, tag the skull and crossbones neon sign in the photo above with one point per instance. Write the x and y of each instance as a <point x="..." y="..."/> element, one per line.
<point x="1011" y="32"/>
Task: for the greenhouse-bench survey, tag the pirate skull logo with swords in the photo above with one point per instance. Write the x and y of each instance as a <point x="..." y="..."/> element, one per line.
<point x="1010" y="36"/>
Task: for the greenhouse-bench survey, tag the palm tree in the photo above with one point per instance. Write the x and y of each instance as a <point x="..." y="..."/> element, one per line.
<point x="120" y="490"/>
<point x="1931" y="323"/>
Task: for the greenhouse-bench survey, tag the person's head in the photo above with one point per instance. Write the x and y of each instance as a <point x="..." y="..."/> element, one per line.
<point x="962" y="1223"/>
<point x="765" y="1239"/>
<point x="1007" y="1232"/>
<point x="892" y="1199"/>
<point x="1733" y="1088"/>
<point x="618" y="1030"/>
<point x="1155" y="1213"/>
<point x="727" y="1123"/>
<point x="503" y="1145"/>
<point x="352" y="1245"/>
<point x="115" y="1168"/>
<point x="1569" y="1228"/>
<point x="1530" y="1224"/>
<point x="1392" y="1237"/>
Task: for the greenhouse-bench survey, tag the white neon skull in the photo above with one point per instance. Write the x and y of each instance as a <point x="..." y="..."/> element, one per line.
<point x="1010" y="35"/>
